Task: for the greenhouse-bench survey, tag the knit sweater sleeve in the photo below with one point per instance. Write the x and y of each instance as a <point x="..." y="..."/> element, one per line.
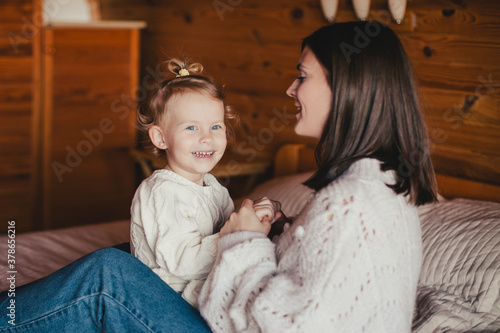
<point x="245" y="262"/>
<point x="227" y="206"/>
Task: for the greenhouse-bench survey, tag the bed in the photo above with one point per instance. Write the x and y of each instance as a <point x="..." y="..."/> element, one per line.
<point x="459" y="287"/>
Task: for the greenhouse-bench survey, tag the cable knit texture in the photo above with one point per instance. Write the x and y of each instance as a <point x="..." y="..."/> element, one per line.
<point x="172" y="228"/>
<point x="349" y="263"/>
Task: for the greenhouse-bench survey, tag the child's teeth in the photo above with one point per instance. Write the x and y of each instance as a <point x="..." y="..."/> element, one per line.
<point x="203" y="154"/>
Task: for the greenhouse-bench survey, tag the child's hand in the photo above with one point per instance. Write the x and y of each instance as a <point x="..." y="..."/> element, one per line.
<point x="245" y="220"/>
<point x="265" y="207"/>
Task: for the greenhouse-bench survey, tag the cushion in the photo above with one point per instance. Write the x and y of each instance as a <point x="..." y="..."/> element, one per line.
<point x="459" y="287"/>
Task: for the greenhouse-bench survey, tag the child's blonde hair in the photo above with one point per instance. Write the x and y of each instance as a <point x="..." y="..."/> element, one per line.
<point x="188" y="79"/>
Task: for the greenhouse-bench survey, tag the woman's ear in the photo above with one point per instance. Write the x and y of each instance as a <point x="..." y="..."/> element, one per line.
<point x="157" y="137"/>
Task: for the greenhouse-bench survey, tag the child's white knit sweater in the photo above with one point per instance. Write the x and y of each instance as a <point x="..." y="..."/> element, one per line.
<point x="173" y="221"/>
<point x="349" y="263"/>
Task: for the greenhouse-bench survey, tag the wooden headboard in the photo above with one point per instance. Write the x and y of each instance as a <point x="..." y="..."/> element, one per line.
<point x="298" y="158"/>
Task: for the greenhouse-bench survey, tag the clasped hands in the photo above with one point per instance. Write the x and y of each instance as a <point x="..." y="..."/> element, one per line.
<point x="254" y="216"/>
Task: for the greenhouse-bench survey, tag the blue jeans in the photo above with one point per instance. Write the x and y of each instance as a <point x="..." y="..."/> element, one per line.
<point x="107" y="290"/>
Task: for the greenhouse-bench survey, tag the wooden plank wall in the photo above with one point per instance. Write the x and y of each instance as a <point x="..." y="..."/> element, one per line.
<point x="89" y="174"/>
<point x="252" y="46"/>
<point x="19" y="113"/>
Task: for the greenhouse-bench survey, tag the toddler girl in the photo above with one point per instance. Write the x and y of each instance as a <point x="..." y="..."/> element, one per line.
<point x="178" y="211"/>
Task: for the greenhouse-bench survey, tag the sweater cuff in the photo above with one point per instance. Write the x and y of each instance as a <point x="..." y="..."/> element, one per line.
<point x="234" y="238"/>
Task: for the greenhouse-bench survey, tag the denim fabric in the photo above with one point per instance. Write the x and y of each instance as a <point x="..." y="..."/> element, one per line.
<point x="107" y="290"/>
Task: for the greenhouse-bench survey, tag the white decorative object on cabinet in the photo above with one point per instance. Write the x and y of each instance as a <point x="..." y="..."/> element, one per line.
<point x="329" y="9"/>
<point x="397" y="9"/>
<point x="361" y="8"/>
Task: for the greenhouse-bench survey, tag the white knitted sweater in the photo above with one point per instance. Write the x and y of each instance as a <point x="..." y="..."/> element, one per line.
<point x="173" y="221"/>
<point x="349" y="263"/>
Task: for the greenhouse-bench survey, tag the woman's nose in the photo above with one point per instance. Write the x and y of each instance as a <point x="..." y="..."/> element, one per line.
<point x="292" y="89"/>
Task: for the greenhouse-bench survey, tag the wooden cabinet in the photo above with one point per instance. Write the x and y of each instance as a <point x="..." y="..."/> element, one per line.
<point x="66" y="104"/>
<point x="90" y="73"/>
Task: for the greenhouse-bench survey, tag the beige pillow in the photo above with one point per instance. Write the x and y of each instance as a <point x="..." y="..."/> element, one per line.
<point x="459" y="287"/>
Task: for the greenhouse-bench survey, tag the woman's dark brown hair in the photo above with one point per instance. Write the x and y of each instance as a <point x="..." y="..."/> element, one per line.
<point x="375" y="110"/>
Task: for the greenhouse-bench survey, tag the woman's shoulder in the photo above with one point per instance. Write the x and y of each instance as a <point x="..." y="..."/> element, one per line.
<point x="361" y="191"/>
<point x="364" y="179"/>
<point x="369" y="170"/>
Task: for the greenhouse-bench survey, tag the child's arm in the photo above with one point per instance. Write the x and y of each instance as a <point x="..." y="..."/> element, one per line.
<point x="265" y="207"/>
<point x="228" y="208"/>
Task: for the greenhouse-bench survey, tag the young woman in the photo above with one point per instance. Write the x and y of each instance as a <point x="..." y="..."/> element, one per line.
<point x="351" y="260"/>
<point x="348" y="263"/>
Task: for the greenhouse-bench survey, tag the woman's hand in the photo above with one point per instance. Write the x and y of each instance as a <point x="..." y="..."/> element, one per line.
<point x="246" y="220"/>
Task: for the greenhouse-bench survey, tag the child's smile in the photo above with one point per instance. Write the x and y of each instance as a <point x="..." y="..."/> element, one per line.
<point x="202" y="154"/>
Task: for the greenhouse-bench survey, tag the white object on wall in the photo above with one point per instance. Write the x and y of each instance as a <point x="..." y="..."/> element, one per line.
<point x="397" y="9"/>
<point x="329" y="9"/>
<point x="361" y="8"/>
<point x="70" y="11"/>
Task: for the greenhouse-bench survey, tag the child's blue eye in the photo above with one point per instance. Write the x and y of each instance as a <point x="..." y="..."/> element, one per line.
<point x="191" y="128"/>
<point x="216" y="127"/>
